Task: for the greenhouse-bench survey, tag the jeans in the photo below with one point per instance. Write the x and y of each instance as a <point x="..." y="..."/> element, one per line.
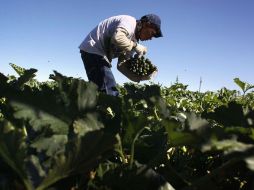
<point x="98" y="71"/>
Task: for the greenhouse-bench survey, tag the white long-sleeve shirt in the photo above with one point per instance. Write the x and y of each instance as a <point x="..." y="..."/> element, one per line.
<point x="111" y="37"/>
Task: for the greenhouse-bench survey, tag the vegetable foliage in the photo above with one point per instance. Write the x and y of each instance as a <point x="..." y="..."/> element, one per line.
<point x="64" y="134"/>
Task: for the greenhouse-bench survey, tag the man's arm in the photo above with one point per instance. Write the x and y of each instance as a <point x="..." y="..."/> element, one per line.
<point x="121" y="41"/>
<point x="126" y="45"/>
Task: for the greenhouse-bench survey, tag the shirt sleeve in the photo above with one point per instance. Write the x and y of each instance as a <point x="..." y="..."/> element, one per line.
<point x="121" y="40"/>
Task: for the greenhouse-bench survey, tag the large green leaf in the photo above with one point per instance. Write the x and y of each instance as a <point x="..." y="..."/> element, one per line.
<point x="64" y="134"/>
<point x="38" y="118"/>
<point x="176" y="137"/>
<point x="227" y="145"/>
<point x="51" y="145"/>
<point x="230" y="115"/>
<point x="86" y="124"/>
<point x="13" y="150"/>
<point x="136" y="178"/>
<point x="81" y="155"/>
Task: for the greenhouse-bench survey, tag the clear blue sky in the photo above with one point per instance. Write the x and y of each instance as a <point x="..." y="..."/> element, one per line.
<point x="208" y="39"/>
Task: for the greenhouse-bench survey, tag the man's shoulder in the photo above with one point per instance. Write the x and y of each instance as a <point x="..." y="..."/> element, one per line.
<point x="127" y="16"/>
<point x="123" y="17"/>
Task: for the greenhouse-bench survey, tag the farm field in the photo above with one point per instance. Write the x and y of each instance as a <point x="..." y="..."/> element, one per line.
<point x="64" y="135"/>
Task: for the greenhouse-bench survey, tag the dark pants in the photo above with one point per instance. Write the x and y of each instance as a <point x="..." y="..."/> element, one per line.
<point x="99" y="72"/>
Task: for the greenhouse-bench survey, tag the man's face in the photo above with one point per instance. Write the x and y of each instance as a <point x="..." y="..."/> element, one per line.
<point x="147" y="32"/>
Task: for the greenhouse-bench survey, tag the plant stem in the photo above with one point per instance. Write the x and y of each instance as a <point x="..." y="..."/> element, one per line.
<point x="133" y="145"/>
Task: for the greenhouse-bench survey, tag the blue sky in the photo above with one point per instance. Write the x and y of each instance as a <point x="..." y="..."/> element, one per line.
<point x="208" y="39"/>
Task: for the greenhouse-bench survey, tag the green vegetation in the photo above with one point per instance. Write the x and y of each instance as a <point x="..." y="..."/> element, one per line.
<point x="65" y="135"/>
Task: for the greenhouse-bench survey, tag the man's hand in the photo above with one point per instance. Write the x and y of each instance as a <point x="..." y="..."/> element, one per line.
<point x="140" y="49"/>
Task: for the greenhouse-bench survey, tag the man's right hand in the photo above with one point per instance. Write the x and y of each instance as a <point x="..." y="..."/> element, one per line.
<point x="140" y="49"/>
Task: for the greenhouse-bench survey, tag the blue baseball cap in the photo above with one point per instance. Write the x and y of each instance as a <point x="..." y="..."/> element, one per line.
<point x="153" y="19"/>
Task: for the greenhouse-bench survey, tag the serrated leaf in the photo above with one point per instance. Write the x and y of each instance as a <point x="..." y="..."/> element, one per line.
<point x="81" y="155"/>
<point x="13" y="150"/>
<point x="50" y="145"/>
<point x="27" y="76"/>
<point x="20" y="71"/>
<point x="86" y="95"/>
<point x="87" y="124"/>
<point x="39" y="119"/>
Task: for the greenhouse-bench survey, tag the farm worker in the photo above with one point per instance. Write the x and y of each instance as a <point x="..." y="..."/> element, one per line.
<point x="115" y="37"/>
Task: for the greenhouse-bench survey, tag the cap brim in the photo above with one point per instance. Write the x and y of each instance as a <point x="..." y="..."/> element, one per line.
<point x="158" y="34"/>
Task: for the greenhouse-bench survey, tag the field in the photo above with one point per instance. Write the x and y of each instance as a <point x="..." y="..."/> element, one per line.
<point x="64" y="135"/>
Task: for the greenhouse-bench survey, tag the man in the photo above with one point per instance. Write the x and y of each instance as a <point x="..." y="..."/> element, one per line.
<point x="115" y="37"/>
